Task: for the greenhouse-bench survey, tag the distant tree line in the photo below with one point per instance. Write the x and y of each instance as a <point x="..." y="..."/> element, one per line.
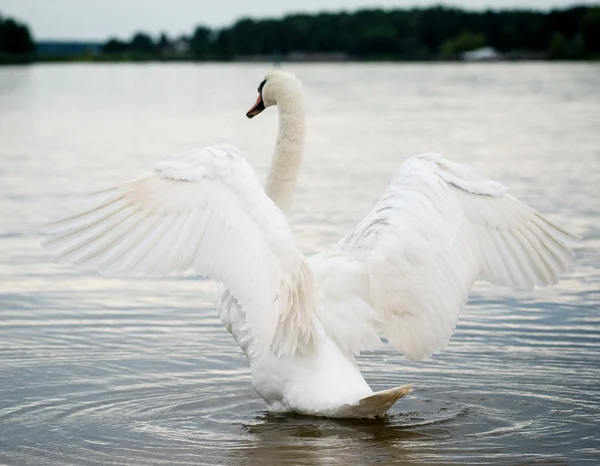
<point x="373" y="34"/>
<point x="16" y="43"/>
<point x="416" y="34"/>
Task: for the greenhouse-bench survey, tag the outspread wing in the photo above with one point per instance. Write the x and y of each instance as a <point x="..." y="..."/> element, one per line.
<point x="438" y="228"/>
<point x="203" y="211"/>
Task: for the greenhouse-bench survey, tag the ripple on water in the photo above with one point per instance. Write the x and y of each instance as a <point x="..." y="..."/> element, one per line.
<point x="111" y="371"/>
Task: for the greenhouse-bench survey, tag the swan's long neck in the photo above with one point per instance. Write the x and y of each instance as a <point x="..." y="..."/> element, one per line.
<point x="287" y="157"/>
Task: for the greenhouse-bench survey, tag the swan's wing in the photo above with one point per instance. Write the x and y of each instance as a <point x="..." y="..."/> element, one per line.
<point x="438" y="228"/>
<point x="203" y="211"/>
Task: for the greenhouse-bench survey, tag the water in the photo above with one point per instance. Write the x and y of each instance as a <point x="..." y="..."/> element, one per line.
<point x="99" y="371"/>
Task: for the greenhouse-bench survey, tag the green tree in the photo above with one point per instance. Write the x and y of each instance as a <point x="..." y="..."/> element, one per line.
<point x="114" y="46"/>
<point x="201" y="43"/>
<point x="590" y="30"/>
<point x="15" y="38"/>
<point x="464" y="42"/>
<point x="163" y="42"/>
<point x="142" y="43"/>
<point x="558" y="48"/>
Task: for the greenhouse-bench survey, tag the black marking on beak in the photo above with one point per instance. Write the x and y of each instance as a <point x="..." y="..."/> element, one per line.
<point x="259" y="105"/>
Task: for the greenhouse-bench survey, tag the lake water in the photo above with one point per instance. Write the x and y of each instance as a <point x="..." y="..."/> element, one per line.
<point x="100" y="371"/>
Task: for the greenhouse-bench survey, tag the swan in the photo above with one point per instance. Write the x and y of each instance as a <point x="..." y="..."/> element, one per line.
<point x="404" y="272"/>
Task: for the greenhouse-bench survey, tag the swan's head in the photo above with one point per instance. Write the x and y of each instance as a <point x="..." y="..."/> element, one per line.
<point x="278" y="88"/>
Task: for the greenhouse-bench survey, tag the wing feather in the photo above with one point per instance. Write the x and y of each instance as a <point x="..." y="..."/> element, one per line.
<point x="439" y="227"/>
<point x="203" y="211"/>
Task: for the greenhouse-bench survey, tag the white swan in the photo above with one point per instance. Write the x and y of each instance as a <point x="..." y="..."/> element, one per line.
<point x="404" y="272"/>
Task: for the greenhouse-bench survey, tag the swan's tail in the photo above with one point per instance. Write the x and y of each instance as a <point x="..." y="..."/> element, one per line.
<point x="377" y="404"/>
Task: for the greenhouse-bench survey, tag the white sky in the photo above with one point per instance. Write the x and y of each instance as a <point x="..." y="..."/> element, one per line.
<point x="99" y="19"/>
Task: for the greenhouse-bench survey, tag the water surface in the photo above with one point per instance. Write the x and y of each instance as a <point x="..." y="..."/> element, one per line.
<point x="100" y="371"/>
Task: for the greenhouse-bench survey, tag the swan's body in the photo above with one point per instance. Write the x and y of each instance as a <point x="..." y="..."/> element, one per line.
<point x="405" y="271"/>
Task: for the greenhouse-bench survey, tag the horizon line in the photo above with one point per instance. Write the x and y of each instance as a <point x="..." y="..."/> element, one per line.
<point x="98" y="40"/>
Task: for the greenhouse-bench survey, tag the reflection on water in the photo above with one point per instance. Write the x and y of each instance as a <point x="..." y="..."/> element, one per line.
<point x="97" y="370"/>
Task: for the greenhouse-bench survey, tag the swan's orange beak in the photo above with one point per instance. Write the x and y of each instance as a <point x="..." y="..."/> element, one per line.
<point x="258" y="107"/>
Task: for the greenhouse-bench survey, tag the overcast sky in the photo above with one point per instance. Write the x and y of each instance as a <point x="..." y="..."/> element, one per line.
<point x="99" y="19"/>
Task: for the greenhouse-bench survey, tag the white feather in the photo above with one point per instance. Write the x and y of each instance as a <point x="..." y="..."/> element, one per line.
<point x="439" y="227"/>
<point x="204" y="211"/>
